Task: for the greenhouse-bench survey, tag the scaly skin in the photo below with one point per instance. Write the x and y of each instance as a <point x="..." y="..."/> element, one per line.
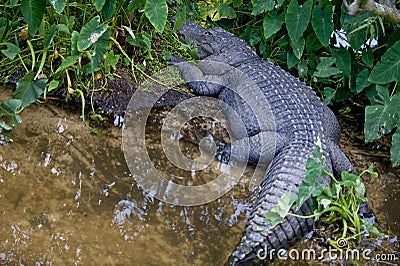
<point x="301" y="120"/>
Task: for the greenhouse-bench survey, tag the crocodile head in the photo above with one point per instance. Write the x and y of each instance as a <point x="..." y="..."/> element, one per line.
<point x="209" y="42"/>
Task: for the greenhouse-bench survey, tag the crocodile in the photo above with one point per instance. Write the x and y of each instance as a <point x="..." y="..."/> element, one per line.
<point x="301" y="121"/>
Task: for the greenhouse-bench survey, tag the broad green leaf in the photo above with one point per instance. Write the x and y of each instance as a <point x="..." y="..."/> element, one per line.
<point x="322" y="23"/>
<point x="291" y="59"/>
<point x="356" y="36"/>
<point x="90" y="33"/>
<point x="63" y="28"/>
<point x="388" y="69"/>
<point x="100" y="48"/>
<point x="298" y="47"/>
<point x="362" y="80"/>
<point x="272" y="23"/>
<point x="68" y="62"/>
<point x="368" y="58"/>
<point x="279" y="212"/>
<point x="98" y="4"/>
<point x="310" y="185"/>
<point x="28" y="90"/>
<point x="156" y="11"/>
<point x="110" y="61"/>
<point x="74" y="43"/>
<point x="220" y="10"/>
<point x="261" y="6"/>
<point x="141" y="40"/>
<point x="297" y="18"/>
<point x="58" y="5"/>
<point x="372" y="229"/>
<point x="180" y="16"/>
<point x="33" y="12"/>
<point x="382" y="94"/>
<point x="14" y="3"/>
<point x="237" y="3"/>
<point x="325" y="69"/>
<point x="343" y="60"/>
<point x="395" y="149"/>
<point x="329" y="94"/>
<point x="312" y="43"/>
<point x="109" y="9"/>
<point x="135" y="4"/>
<point x="12" y="50"/>
<point x="381" y="119"/>
<point x="49" y="35"/>
<point x="53" y="85"/>
<point x="9" y="108"/>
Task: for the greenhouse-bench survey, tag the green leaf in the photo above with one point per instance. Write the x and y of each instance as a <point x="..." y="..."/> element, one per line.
<point x="49" y="35"/>
<point x="329" y="94"/>
<point x="180" y="16"/>
<point x="261" y="6"/>
<point x="362" y="80"/>
<point x="69" y="61"/>
<point x="356" y="36"/>
<point x="343" y="60"/>
<point x="135" y="4"/>
<point x="33" y="12"/>
<point x="302" y="70"/>
<point x="395" y="149"/>
<point x="325" y="69"/>
<point x="312" y="43"/>
<point x="322" y="23"/>
<point x="291" y="59"/>
<point x="100" y="48"/>
<point x="74" y="43"/>
<point x="372" y="229"/>
<point x="98" y="4"/>
<point x="28" y="90"/>
<point x="297" y="18"/>
<point x="111" y="60"/>
<point x="310" y="185"/>
<point x="63" y="28"/>
<point x="10" y="108"/>
<point x="90" y="33"/>
<point x="275" y="216"/>
<point x="381" y="119"/>
<point x="12" y="50"/>
<point x="156" y="11"/>
<point x="272" y="23"/>
<point x="58" y="5"/>
<point x="298" y="47"/>
<point x="109" y="9"/>
<point x="237" y="3"/>
<point x="388" y="69"/>
<point x="368" y="58"/>
<point x="53" y="85"/>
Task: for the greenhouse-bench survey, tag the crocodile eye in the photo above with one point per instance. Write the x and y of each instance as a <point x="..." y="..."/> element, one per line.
<point x="208" y="33"/>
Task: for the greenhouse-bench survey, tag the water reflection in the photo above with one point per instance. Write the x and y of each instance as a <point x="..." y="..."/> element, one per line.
<point x="67" y="197"/>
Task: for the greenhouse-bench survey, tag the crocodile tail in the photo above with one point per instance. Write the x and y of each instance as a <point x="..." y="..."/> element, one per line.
<point x="259" y="241"/>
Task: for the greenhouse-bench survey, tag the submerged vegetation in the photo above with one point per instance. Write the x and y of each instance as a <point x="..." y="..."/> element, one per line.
<point x="68" y="45"/>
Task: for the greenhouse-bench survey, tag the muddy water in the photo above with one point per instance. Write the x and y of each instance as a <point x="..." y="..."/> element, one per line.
<point x="67" y="197"/>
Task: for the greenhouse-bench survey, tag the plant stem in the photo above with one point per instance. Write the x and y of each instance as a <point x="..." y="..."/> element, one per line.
<point x="32" y="54"/>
